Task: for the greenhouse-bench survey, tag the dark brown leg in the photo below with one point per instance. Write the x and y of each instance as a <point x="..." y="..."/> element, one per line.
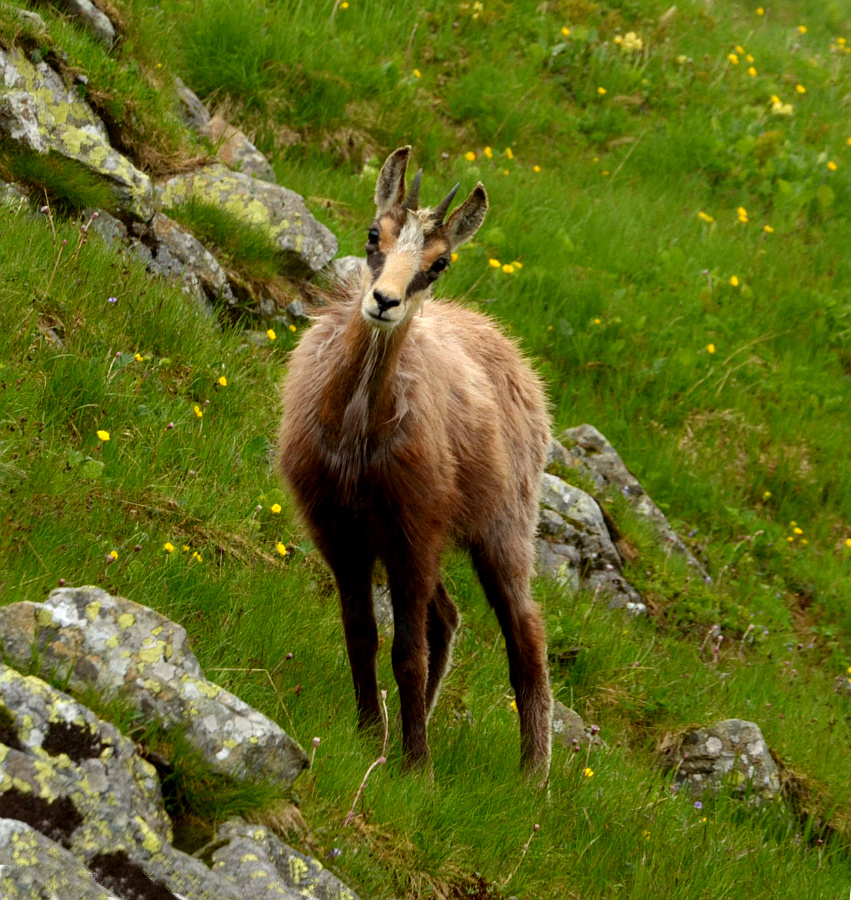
<point x="441" y="624"/>
<point x="352" y="561"/>
<point x="504" y="573"/>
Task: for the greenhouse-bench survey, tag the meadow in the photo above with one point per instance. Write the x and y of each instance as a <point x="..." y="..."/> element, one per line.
<point x="669" y="240"/>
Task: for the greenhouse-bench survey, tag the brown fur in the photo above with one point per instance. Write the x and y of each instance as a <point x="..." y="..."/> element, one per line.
<point x="396" y="442"/>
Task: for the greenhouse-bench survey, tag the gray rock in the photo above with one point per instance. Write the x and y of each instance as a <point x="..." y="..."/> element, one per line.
<point x="589" y="452"/>
<point x="37" y="868"/>
<point x="348" y="268"/>
<point x="107" y="227"/>
<point x="574" y="545"/>
<point x="382" y="606"/>
<point x="568" y="727"/>
<point x="126" y="650"/>
<point x="302" y="240"/>
<point x="40" y="113"/>
<point x="236" y="151"/>
<point x="194" y="112"/>
<point x="254" y="856"/>
<point x="842" y="685"/>
<point x="12" y="195"/>
<point x="92" y="19"/>
<point x="732" y="753"/>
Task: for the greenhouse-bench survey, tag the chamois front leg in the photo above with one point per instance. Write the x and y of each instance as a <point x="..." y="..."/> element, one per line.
<point x="412" y="580"/>
<point x="351" y="560"/>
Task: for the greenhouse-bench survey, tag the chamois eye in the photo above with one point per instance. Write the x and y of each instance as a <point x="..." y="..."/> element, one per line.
<point x="439" y="265"/>
<point x="372" y="236"/>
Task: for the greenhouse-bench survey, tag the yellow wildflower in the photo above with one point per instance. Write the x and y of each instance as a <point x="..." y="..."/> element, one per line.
<point x="793" y="523"/>
<point x="832" y="166"/>
<point x="198" y="411"/>
<point x="514" y="705"/>
<point x="137" y="357"/>
<point x="509" y="152"/>
<point x="618" y="39"/>
<point x="848" y="141"/>
<point x="645" y="835"/>
<point x="752" y="71"/>
<point x="469" y="156"/>
<point x="768" y="229"/>
<point x="798" y="530"/>
<point x="632" y="43"/>
<point x="168" y="547"/>
<point x="275" y="508"/>
<point x="760" y="11"/>
<point x="494" y="263"/>
<point x="488" y="152"/>
<point x="185" y="548"/>
<point x="417" y="73"/>
<point x="454" y="257"/>
<point x="733" y="58"/>
<point x="536" y="168"/>
<point x="802" y="29"/>
<point x="281" y="548"/>
<point x="775" y="98"/>
<point x="742" y="214"/>
<point x="565" y="31"/>
<point x="508" y="269"/>
<point x="271" y="334"/>
<point x="710" y="348"/>
<point x="800" y="89"/>
<point x="734" y="280"/>
<point x="292" y="327"/>
<point x="601" y="91"/>
<point x="588" y="772"/>
<point x="344" y="5"/>
<point x="517" y="265"/>
<point x="113" y="554"/>
<point x="223" y="381"/>
<point x="782" y="109"/>
<point x="739" y="49"/>
<point x="705" y="216"/>
<point x="766" y="495"/>
<point x="848" y="544"/>
<point x="103" y="435"/>
<point x="598" y="321"/>
<point x="195" y="553"/>
<point x="790" y="538"/>
<point x="749" y="58"/>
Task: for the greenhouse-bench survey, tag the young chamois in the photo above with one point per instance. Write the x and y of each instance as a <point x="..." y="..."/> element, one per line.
<point x="408" y="424"/>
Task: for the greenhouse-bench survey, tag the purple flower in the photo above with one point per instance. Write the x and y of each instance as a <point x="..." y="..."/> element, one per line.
<point x="698" y="804"/>
<point x="112" y="300"/>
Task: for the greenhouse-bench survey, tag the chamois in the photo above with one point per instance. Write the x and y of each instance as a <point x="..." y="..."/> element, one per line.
<point x="406" y="425"/>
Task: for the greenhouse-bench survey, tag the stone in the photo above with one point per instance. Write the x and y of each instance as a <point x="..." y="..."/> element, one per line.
<point x="36" y="868"/>
<point x="304" y="243"/>
<point x="567" y="727"/>
<point x="254" y="856"/>
<point x="12" y="195"/>
<point x="92" y="19"/>
<point x="348" y="268"/>
<point x="38" y="112"/>
<point x="194" y="112"/>
<point x="733" y="754"/>
<point x="125" y="650"/>
<point x="575" y="547"/>
<point x="169" y="249"/>
<point x="842" y="685"/>
<point x="107" y="227"/>
<point x="236" y="151"/>
<point x="588" y="451"/>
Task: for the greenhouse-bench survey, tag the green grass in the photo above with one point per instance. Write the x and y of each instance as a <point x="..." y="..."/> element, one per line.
<point x="622" y="290"/>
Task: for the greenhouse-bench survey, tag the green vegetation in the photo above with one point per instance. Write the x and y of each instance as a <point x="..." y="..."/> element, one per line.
<point x="682" y="284"/>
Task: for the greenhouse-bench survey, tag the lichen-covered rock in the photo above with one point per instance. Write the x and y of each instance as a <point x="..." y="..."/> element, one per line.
<point x="732" y="753"/>
<point x="255" y="857"/>
<point x="588" y="451"/>
<point x="302" y="240"/>
<point x="567" y="726"/>
<point x="36" y="868"/>
<point x="123" y="649"/>
<point x="40" y="113"/>
<point x="575" y="547"/>
<point x="194" y="112"/>
<point x="92" y="19"/>
<point x="236" y="151"/>
<point x="169" y="249"/>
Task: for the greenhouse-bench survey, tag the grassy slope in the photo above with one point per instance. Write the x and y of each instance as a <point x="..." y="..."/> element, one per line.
<point x="622" y="290"/>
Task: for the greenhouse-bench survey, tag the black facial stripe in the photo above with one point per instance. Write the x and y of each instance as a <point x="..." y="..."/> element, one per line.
<point x="375" y="261"/>
<point x="420" y="282"/>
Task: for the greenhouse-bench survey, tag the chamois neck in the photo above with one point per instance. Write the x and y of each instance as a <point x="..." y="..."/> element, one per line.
<point x="360" y="400"/>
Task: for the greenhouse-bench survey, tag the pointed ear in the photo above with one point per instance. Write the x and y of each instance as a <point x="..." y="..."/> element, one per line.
<point x="390" y="187"/>
<point x="467" y="219"/>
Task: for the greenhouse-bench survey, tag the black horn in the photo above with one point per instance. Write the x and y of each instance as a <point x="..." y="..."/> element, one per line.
<point x="439" y="212"/>
<point x="412" y="201"/>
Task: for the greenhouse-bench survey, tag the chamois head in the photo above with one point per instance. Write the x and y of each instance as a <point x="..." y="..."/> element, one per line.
<point x="408" y="247"/>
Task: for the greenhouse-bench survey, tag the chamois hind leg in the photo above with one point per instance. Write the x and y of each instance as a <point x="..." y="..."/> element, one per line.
<point x="504" y="570"/>
<point x="441" y="624"/>
<point x="412" y="585"/>
<point x="352" y="562"/>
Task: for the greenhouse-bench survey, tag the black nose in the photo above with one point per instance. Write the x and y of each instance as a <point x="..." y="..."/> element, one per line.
<point x="384" y="302"/>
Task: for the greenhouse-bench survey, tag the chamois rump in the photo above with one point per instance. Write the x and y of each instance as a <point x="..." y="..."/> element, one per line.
<point x="408" y="424"/>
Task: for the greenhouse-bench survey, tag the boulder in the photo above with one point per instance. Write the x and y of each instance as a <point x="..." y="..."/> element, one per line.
<point x="588" y="451"/>
<point x="125" y="650"/>
<point x="568" y="727"/>
<point x="733" y="754"/>
<point x="304" y="242"/>
<point x="38" y="112"/>
<point x="194" y="112"/>
<point x="236" y="151"/>
<point x="91" y="18"/>
<point x="575" y="547"/>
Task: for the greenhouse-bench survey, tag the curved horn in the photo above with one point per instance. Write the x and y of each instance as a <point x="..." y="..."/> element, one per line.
<point x="412" y="201"/>
<point x="439" y="212"/>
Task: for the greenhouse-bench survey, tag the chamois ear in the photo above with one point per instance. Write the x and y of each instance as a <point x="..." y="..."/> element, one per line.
<point x="467" y="219"/>
<point x="390" y="187"/>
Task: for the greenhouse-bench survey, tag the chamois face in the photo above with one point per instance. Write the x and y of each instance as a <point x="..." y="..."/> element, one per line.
<point x="408" y="247"/>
